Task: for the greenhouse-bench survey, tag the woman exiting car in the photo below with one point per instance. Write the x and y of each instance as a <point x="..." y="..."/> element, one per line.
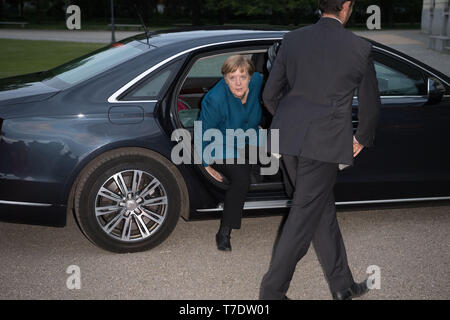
<point x="233" y="103"/>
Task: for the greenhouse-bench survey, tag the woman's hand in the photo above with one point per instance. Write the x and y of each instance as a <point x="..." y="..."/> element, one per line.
<point x="216" y="175"/>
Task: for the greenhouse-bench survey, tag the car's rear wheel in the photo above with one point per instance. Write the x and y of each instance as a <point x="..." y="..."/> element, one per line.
<point x="129" y="200"/>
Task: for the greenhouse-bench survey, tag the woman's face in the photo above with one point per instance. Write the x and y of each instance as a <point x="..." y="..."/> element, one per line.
<point x="238" y="82"/>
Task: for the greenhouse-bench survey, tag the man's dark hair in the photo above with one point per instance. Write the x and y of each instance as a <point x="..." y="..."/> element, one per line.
<point x="332" y="6"/>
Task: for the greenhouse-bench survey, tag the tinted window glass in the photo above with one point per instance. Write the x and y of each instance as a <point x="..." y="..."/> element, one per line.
<point x="154" y="85"/>
<point x="203" y="75"/>
<point x="210" y="67"/>
<point x="88" y="66"/>
<point x="396" y="78"/>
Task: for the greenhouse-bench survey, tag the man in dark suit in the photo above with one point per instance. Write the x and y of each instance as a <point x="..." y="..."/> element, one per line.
<point x="310" y="91"/>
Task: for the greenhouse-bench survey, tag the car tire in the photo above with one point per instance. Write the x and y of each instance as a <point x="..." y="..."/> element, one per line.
<point x="129" y="200"/>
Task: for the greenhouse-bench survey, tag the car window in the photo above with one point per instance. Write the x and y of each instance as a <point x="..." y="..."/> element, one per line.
<point x="153" y="86"/>
<point x="396" y="78"/>
<point x="90" y="65"/>
<point x="202" y="76"/>
<point x="209" y="67"/>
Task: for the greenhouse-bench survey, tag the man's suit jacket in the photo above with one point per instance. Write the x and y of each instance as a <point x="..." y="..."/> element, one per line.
<point x="310" y="92"/>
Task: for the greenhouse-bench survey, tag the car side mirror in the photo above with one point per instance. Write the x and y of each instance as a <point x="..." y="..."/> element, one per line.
<point x="436" y="90"/>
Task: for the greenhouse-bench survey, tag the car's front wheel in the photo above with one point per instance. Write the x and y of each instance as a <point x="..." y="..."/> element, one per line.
<point x="129" y="200"/>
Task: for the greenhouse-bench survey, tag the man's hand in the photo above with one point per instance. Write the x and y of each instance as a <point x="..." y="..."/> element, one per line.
<point x="216" y="175"/>
<point x="276" y="155"/>
<point x="357" y="147"/>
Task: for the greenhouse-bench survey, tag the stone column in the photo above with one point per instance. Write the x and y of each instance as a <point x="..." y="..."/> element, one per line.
<point x="448" y="18"/>
<point x="439" y="33"/>
<point x="427" y="15"/>
<point x="440" y="18"/>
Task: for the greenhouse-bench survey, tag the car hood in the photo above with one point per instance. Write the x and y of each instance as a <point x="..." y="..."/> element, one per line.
<point x="24" y="89"/>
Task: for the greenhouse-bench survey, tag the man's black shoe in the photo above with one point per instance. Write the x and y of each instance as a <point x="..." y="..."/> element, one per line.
<point x="223" y="242"/>
<point x="355" y="290"/>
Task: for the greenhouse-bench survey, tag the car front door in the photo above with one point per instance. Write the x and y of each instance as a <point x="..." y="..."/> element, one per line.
<point x="410" y="159"/>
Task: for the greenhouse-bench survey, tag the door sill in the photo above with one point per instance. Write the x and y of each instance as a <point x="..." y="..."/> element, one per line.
<point x="278" y="204"/>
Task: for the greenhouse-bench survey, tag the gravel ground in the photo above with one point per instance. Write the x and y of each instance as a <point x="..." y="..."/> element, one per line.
<point x="409" y="244"/>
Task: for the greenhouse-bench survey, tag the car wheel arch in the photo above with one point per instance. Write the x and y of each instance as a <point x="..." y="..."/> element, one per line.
<point x="70" y="197"/>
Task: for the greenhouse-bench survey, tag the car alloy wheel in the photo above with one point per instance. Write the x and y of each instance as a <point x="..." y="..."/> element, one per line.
<point x="129" y="200"/>
<point x="131" y="205"/>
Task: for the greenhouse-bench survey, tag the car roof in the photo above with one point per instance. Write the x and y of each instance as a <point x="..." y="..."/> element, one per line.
<point x="190" y="36"/>
<point x="185" y="38"/>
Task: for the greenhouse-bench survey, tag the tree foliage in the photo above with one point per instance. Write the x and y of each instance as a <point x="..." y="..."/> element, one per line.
<point x="207" y="11"/>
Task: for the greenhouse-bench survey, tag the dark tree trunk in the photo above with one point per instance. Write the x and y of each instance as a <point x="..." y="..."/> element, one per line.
<point x="38" y="12"/>
<point x="387" y="10"/>
<point x="275" y="18"/>
<point x="196" y="9"/>
<point x="297" y="17"/>
<point x="222" y="16"/>
<point x="2" y="8"/>
<point x="20" y="8"/>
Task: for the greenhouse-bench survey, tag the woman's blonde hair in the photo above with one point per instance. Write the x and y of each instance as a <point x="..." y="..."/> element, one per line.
<point x="238" y="61"/>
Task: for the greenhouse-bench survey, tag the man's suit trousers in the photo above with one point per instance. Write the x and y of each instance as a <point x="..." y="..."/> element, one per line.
<point x="312" y="218"/>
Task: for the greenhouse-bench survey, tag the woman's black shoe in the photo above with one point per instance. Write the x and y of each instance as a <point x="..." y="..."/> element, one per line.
<point x="223" y="242"/>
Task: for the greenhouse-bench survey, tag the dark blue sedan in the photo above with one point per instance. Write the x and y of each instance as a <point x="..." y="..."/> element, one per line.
<point x="93" y="138"/>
